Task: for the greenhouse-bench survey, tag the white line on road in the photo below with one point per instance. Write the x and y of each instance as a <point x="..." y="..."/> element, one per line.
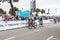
<point x="51" y="37"/>
<point x="10" y="38"/>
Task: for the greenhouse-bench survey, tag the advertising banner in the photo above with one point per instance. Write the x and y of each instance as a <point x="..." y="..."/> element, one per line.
<point x="23" y="13"/>
<point x="12" y="24"/>
<point x="2" y="24"/>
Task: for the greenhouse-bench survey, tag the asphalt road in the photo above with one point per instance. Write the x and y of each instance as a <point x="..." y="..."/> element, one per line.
<point x="48" y="32"/>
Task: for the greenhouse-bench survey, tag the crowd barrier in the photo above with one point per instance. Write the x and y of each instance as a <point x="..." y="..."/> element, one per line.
<point x="12" y="24"/>
<point x="48" y="21"/>
<point x="17" y="24"/>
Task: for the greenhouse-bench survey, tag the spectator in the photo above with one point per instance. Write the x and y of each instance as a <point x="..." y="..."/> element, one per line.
<point x="17" y="18"/>
<point x="5" y="17"/>
<point x="26" y="18"/>
<point x="13" y="18"/>
<point x="35" y="18"/>
<point x="22" y="18"/>
<point x="9" y="18"/>
<point x="54" y="20"/>
<point x="41" y="21"/>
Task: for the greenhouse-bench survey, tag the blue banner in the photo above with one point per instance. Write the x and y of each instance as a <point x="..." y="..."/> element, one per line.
<point x="23" y="13"/>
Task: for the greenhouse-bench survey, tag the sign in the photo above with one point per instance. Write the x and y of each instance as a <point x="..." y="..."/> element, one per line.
<point x="23" y="13"/>
<point x="12" y="24"/>
<point x="2" y="24"/>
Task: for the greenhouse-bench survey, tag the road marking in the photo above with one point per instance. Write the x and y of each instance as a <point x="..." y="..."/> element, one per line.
<point x="10" y="38"/>
<point x="51" y="37"/>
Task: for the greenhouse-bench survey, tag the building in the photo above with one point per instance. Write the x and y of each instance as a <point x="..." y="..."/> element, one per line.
<point x="33" y="5"/>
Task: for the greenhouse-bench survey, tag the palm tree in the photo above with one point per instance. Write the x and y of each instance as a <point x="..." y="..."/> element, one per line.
<point x="15" y="9"/>
<point x="11" y="4"/>
<point x="1" y="11"/>
<point x="12" y="8"/>
<point x="37" y="11"/>
<point x="42" y="11"/>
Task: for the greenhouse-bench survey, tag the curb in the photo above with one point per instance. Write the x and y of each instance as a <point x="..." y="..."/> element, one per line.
<point x="12" y="29"/>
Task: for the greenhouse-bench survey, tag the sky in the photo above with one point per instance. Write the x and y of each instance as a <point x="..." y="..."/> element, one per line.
<point x="48" y="3"/>
<point x="42" y="4"/>
<point x="54" y="5"/>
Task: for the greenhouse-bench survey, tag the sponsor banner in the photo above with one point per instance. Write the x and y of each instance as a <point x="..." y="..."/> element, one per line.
<point x="17" y="23"/>
<point x="2" y="24"/>
<point x="23" y="13"/>
<point x="48" y="21"/>
<point x="12" y="24"/>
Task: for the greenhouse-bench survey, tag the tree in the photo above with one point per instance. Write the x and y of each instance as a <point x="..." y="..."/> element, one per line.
<point x="37" y="11"/>
<point x="1" y="11"/>
<point x="11" y="4"/>
<point x="42" y="11"/>
<point x="12" y="9"/>
<point x="15" y="9"/>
